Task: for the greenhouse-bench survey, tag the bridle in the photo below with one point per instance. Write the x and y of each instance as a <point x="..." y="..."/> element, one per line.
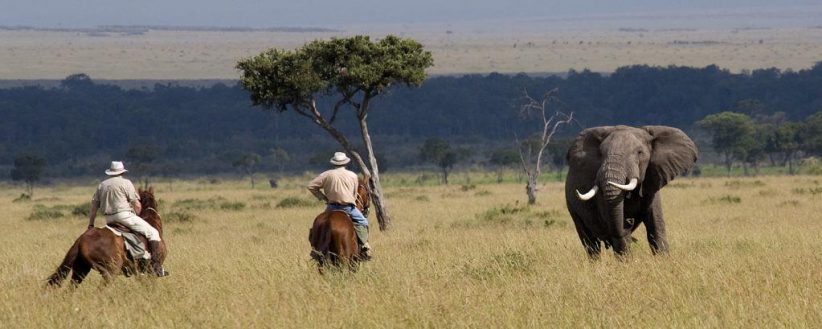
<point x="365" y="205"/>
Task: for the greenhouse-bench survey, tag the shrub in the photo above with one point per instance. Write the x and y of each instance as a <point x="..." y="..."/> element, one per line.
<point x="41" y="212"/>
<point x="295" y="202"/>
<point x="178" y="217"/>
<point x="737" y="184"/>
<point x="232" y="206"/>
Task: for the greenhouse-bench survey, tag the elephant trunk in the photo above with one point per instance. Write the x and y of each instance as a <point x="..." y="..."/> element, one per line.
<point x="614" y="180"/>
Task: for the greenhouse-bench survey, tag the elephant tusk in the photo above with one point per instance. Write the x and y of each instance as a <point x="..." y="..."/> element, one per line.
<point x="630" y="187"/>
<point x="589" y="195"/>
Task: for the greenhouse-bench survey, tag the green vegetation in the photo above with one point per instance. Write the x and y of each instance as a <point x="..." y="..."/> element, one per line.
<point x="191" y="129"/>
<point x="296" y="202"/>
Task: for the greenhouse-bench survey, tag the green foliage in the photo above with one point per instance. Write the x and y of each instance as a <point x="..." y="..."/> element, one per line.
<point x="41" y="212"/>
<point x="732" y="134"/>
<point x="28" y="168"/>
<point x="281" y="78"/>
<point x="810" y="134"/>
<point x="730" y="199"/>
<point x="233" y="206"/>
<point x="191" y="126"/>
<point x="209" y="204"/>
<point x="516" y="216"/>
<point x="296" y="202"/>
<point x="744" y="184"/>
<point x="439" y="152"/>
<point x="178" y="217"/>
<point x="810" y="190"/>
<point x="504" y="157"/>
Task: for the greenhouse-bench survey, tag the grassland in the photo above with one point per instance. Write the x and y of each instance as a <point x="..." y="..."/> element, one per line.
<point x="180" y="55"/>
<point x="745" y="253"/>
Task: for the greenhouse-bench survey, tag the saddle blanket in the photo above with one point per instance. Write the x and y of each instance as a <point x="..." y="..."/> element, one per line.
<point x="134" y="245"/>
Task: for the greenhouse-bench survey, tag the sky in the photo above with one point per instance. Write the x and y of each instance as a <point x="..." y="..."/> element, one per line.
<point x="342" y="13"/>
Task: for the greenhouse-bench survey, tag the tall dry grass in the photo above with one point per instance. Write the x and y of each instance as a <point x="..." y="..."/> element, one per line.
<point x="744" y="253"/>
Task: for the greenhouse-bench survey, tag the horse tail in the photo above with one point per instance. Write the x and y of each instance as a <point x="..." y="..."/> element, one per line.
<point x="68" y="263"/>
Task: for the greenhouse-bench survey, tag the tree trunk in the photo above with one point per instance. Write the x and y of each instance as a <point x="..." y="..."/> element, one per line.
<point x="377" y="198"/>
<point x="531" y="189"/>
<point x="445" y="175"/>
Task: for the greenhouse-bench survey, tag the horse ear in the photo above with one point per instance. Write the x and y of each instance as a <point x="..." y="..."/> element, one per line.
<point x="151" y="189"/>
<point x="583" y="156"/>
<point x="672" y="154"/>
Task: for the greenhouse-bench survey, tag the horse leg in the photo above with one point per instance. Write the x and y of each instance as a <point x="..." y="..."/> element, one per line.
<point x="79" y="271"/>
<point x="68" y="262"/>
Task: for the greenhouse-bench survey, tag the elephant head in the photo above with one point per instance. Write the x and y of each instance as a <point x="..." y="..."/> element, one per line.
<point x="620" y="169"/>
<point x="621" y="159"/>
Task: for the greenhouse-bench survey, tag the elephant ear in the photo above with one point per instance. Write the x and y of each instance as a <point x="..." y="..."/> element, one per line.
<point x="583" y="156"/>
<point x="672" y="153"/>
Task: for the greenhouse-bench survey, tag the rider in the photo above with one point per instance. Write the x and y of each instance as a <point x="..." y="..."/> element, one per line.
<point x="339" y="190"/>
<point x="120" y="203"/>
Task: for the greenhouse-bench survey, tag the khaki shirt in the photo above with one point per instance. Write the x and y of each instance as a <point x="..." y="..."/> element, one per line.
<point x="115" y="195"/>
<point x="338" y="186"/>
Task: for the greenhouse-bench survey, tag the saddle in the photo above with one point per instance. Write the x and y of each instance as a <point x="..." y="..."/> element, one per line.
<point x="136" y="243"/>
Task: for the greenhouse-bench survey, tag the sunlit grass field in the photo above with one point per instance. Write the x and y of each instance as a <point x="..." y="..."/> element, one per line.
<point x="745" y="252"/>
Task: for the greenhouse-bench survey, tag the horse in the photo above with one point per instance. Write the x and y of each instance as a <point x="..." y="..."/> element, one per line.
<point x="332" y="236"/>
<point x="102" y="250"/>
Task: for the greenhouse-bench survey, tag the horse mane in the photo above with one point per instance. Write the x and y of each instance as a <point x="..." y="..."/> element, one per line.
<point x="149" y="205"/>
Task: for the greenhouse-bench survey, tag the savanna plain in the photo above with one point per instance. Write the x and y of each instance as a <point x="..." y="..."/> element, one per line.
<point x="745" y="252"/>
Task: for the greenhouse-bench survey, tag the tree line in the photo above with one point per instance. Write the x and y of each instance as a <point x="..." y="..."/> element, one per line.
<point x="79" y="126"/>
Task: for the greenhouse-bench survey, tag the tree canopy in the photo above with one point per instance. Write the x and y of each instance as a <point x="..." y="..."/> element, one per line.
<point x="351" y="72"/>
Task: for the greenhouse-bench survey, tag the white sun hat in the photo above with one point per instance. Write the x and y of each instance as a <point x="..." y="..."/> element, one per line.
<point x="340" y="159"/>
<point x="116" y="168"/>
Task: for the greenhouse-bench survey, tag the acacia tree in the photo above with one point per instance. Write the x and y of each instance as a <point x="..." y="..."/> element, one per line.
<point x="247" y="162"/>
<point x="439" y="152"/>
<point x="353" y="70"/>
<point x="28" y="168"/>
<point x="143" y="157"/>
<point x="732" y="135"/>
<point x="533" y="150"/>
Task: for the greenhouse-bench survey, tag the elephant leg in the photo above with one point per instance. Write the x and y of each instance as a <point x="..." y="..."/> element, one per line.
<point x="655" y="226"/>
<point x="589" y="241"/>
<point x="621" y="246"/>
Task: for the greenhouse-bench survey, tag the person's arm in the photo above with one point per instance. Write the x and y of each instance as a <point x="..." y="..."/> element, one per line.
<point x="92" y="214"/>
<point x="314" y="187"/>
<point x="138" y="208"/>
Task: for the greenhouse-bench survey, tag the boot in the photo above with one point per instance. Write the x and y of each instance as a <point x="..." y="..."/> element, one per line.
<point x="153" y="246"/>
<point x="362" y="241"/>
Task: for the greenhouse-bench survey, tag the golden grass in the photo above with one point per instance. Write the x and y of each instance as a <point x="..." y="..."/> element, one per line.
<point x="213" y="55"/>
<point x="751" y="263"/>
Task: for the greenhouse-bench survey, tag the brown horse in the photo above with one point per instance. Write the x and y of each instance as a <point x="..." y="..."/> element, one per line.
<point x="100" y="249"/>
<point x="332" y="236"/>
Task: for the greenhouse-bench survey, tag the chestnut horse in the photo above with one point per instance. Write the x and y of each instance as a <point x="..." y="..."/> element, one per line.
<point x="332" y="236"/>
<point x="100" y="249"/>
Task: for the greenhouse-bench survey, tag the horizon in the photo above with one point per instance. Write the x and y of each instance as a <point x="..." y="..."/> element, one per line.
<point x="358" y="14"/>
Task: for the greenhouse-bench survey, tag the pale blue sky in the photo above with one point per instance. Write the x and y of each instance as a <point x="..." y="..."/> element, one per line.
<point x="341" y="13"/>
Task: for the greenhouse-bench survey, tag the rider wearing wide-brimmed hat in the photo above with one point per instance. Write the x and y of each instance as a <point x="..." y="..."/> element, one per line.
<point x="339" y="190"/>
<point x="120" y="203"/>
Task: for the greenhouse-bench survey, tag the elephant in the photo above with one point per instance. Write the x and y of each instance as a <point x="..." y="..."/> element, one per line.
<point x="621" y="170"/>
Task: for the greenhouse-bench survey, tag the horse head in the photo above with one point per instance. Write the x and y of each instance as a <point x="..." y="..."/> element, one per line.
<point x="149" y="205"/>
<point x="364" y="195"/>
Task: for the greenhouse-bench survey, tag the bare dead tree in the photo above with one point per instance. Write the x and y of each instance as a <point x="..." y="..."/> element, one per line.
<point x="551" y="121"/>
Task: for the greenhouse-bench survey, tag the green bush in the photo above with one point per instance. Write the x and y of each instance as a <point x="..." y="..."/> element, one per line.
<point x="178" y="217"/>
<point x="295" y="202"/>
<point x="232" y="206"/>
<point x="41" y="212"/>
